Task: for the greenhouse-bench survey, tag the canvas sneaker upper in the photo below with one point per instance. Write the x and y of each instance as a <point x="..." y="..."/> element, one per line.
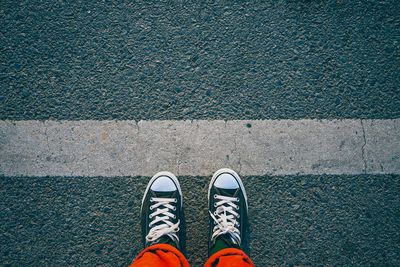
<point x="228" y="209"/>
<point x="162" y="216"/>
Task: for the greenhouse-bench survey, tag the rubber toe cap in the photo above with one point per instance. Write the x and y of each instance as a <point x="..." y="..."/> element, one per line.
<point x="163" y="184"/>
<point x="226" y="181"/>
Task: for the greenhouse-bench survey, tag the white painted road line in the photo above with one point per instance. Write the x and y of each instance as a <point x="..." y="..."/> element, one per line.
<point x="129" y="148"/>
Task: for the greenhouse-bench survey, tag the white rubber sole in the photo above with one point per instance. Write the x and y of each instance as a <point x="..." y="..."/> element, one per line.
<point x="234" y="174"/>
<point x="158" y="174"/>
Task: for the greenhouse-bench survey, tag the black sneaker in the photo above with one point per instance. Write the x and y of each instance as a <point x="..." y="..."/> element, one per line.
<point x="227" y="204"/>
<point x="162" y="215"/>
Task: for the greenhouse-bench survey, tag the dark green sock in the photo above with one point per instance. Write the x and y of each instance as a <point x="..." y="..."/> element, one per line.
<point x="166" y="240"/>
<point x="220" y="244"/>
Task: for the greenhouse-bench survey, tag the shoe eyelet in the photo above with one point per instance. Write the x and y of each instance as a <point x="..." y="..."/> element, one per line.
<point x="151" y="199"/>
<point x="238" y="199"/>
<point x="151" y="208"/>
<point x="150" y="216"/>
<point x="237" y="207"/>
<point x="175" y="200"/>
<point x="215" y="196"/>
<point x="215" y="205"/>
<point x="177" y="230"/>
<point x="238" y="224"/>
<point x="238" y="216"/>
<point x="174" y="208"/>
<point x="174" y="217"/>
<point x="215" y="213"/>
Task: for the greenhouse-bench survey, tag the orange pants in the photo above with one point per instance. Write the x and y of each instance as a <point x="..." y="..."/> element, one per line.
<point x="163" y="255"/>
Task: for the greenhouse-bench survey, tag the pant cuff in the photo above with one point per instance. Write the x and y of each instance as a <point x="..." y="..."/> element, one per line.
<point x="229" y="252"/>
<point x="165" y="248"/>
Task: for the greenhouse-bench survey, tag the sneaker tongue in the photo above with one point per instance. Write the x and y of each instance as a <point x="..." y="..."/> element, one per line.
<point x="222" y="242"/>
<point x="163" y="195"/>
<point x="166" y="240"/>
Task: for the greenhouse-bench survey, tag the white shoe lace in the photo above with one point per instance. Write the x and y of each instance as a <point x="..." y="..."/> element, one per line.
<point x="161" y="224"/>
<point x="225" y="218"/>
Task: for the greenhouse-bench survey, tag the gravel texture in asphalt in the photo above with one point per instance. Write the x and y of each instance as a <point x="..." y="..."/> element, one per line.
<point x="295" y="220"/>
<point x="153" y="60"/>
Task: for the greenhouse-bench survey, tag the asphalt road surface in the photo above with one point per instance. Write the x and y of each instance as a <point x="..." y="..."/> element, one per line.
<point x="295" y="220"/>
<point x="273" y="60"/>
